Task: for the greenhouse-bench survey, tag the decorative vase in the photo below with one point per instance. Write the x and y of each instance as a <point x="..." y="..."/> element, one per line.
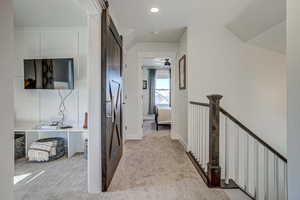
<point x="85" y="124"/>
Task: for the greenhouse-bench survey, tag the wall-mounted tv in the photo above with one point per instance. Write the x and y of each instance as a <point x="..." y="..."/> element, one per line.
<point x="49" y="73"/>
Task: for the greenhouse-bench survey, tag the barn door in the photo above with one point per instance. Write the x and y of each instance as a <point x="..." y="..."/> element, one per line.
<point x="112" y="145"/>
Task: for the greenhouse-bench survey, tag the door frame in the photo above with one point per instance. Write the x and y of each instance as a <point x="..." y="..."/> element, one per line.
<point x="172" y="54"/>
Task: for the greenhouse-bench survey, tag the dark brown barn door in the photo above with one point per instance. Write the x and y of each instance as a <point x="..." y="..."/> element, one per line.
<point x="112" y="145"/>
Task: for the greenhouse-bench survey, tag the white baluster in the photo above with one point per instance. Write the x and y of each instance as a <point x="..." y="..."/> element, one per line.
<point x="194" y="126"/>
<point x="196" y="132"/>
<point x="285" y="182"/>
<point x="202" y="138"/>
<point x="266" y="177"/>
<point x="237" y="156"/>
<point x="276" y="178"/>
<point x="199" y="134"/>
<point x="256" y="167"/>
<point x="189" y="129"/>
<point x="189" y="125"/>
<point x="205" y="139"/>
<point x="246" y="162"/>
<point x="190" y="140"/>
<point x="226" y="151"/>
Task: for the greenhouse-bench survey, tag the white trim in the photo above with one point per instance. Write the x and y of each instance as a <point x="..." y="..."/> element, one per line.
<point x="182" y="142"/>
<point x="94" y="122"/>
<point x="144" y="51"/>
<point x="134" y="137"/>
<point x="176" y="136"/>
<point x="49" y="29"/>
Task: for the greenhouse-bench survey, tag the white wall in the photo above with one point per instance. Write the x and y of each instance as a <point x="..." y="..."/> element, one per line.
<point x="133" y="108"/>
<point x="293" y="128"/>
<point x="180" y="100"/>
<point x="42" y="105"/>
<point x="7" y="66"/>
<point x="252" y="80"/>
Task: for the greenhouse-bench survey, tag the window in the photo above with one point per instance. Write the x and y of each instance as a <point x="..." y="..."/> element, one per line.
<point x="162" y="89"/>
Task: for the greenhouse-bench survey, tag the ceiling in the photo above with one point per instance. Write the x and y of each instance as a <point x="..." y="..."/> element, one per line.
<point x="257" y="22"/>
<point x="253" y="21"/>
<point x="262" y="23"/>
<point x="258" y="17"/>
<point x="273" y="39"/>
<point x="155" y="63"/>
<point x="48" y="13"/>
<point x="140" y="25"/>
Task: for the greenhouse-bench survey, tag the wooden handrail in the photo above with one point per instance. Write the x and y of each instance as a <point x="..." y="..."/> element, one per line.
<point x="199" y="104"/>
<point x="247" y="130"/>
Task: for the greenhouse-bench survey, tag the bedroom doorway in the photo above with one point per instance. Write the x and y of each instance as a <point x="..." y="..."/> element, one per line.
<point x="156" y="95"/>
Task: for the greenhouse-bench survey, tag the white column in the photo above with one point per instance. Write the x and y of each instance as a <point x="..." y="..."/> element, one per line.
<point x="94" y="126"/>
<point x="293" y="125"/>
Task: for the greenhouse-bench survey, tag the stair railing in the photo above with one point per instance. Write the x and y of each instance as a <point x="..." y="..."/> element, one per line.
<point x="229" y="155"/>
<point x="198" y="137"/>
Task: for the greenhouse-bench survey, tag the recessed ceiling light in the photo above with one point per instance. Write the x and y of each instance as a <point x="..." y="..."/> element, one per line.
<point x="154" y="10"/>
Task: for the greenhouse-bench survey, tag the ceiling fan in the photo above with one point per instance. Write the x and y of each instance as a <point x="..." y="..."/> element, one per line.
<point x="161" y="62"/>
<point x="167" y="62"/>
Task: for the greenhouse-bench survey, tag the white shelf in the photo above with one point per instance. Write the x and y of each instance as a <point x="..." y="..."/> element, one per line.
<point x="74" y="136"/>
<point x="30" y="127"/>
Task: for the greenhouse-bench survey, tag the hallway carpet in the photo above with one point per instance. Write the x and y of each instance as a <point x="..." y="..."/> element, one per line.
<point x="159" y="168"/>
<point x="155" y="168"/>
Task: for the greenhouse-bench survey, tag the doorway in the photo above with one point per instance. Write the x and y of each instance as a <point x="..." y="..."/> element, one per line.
<point x="156" y="95"/>
<point x="50" y="136"/>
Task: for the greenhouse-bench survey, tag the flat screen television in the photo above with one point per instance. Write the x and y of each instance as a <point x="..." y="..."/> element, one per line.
<point x="49" y="73"/>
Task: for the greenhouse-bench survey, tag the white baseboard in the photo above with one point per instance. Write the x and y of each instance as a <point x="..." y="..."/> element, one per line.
<point x="133" y="137"/>
<point x="176" y="136"/>
<point x="183" y="143"/>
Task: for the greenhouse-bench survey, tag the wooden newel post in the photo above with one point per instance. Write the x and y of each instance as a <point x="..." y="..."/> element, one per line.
<point x="214" y="169"/>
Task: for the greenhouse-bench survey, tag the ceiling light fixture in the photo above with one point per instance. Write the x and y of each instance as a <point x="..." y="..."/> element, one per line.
<point x="154" y="10"/>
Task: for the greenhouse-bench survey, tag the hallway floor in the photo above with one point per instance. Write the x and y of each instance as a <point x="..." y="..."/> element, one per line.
<point x="156" y="168"/>
<point x="46" y="181"/>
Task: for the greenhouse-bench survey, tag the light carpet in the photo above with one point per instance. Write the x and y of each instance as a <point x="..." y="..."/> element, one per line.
<point x="44" y="181"/>
<point x="156" y="168"/>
